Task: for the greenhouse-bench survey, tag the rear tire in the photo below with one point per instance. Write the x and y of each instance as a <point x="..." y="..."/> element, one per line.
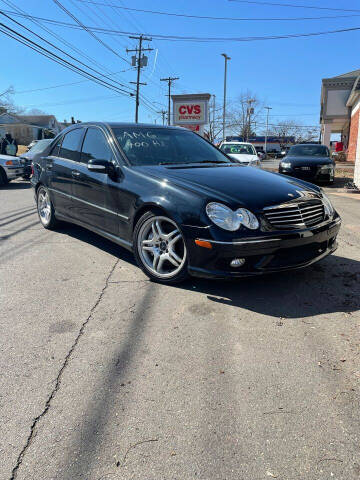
<point x="45" y="208"/>
<point x="160" y="249"/>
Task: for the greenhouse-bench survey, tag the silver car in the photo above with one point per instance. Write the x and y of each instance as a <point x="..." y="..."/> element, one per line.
<point x="10" y="168"/>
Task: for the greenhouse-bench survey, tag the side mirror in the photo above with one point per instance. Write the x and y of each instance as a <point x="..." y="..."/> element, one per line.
<point x="100" y="166"/>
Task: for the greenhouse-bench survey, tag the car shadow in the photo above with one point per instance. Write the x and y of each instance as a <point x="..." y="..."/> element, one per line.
<point x="16" y="185"/>
<point x="331" y="286"/>
<point x="96" y="241"/>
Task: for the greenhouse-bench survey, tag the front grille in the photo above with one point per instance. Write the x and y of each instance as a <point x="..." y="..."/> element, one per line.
<point x="296" y="215"/>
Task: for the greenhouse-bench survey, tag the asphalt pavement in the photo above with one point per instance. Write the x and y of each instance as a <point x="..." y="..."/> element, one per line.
<point x="105" y="375"/>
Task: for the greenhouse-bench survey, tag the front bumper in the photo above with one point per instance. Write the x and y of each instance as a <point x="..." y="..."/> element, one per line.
<point x="271" y="253"/>
<point x="313" y="175"/>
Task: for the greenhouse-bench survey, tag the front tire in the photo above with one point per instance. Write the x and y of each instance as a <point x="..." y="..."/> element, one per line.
<point x="160" y="249"/>
<point x="45" y="208"/>
<point x="3" y="177"/>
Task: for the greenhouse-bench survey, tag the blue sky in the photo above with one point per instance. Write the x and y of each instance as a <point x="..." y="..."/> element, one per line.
<point x="286" y="74"/>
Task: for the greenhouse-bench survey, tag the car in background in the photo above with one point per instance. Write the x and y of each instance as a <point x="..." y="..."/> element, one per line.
<point x="310" y="162"/>
<point x="10" y="168"/>
<point x="31" y="144"/>
<point x="36" y="151"/>
<point x="241" y="152"/>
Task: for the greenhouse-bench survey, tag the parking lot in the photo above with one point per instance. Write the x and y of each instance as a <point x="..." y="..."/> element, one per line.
<point x="108" y="375"/>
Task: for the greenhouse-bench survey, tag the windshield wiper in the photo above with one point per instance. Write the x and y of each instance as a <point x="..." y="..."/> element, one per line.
<point x="210" y="161"/>
<point x="191" y="163"/>
<point x="170" y="163"/>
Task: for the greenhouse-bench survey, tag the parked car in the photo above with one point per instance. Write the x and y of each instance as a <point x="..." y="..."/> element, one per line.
<point x="180" y="204"/>
<point x="10" y="168"/>
<point x="32" y="143"/>
<point x="241" y="152"/>
<point x="36" y="151"/>
<point x="311" y="162"/>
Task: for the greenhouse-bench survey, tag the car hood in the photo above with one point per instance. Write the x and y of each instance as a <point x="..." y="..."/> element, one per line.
<point x="240" y="157"/>
<point x="8" y="157"/>
<point x="236" y="185"/>
<point x="307" y="161"/>
<point x="27" y="156"/>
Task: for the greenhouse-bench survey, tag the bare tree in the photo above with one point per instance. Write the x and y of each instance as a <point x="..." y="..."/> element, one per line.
<point x="214" y="131"/>
<point x="293" y="128"/>
<point x="244" y="114"/>
<point x="35" y="111"/>
<point x="7" y="104"/>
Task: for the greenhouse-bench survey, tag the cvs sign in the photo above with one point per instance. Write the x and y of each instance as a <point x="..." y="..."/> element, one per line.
<point x="194" y="112"/>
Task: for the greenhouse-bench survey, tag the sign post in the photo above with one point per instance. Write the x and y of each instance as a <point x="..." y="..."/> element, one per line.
<point x="191" y="111"/>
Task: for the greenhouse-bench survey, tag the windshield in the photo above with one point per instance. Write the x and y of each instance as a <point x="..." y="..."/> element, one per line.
<point x="308" y="151"/>
<point x="41" y="145"/>
<point x="155" y="146"/>
<point x="238" y="149"/>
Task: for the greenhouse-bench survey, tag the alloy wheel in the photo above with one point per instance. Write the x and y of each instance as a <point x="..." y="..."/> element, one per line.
<point x="161" y="247"/>
<point x="44" y="207"/>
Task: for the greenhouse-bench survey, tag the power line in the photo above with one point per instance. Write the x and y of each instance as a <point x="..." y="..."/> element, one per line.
<point x="59" y="49"/>
<point x="95" y="14"/>
<point x="16" y="92"/>
<point x="295" y="6"/>
<point x="57" y="59"/>
<point x="58" y="37"/>
<point x="205" y="17"/>
<point x="88" y="30"/>
<point x="197" y="39"/>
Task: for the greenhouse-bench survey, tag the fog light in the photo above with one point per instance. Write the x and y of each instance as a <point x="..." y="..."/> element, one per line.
<point x="237" y="262"/>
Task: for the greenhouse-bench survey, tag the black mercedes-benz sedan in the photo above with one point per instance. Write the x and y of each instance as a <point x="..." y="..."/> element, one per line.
<point x="309" y="162"/>
<point x="181" y="205"/>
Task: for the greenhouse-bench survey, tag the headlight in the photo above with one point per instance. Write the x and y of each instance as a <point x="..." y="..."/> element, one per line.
<point x="285" y="164"/>
<point x="326" y="168"/>
<point x="227" y="219"/>
<point x="329" y="209"/>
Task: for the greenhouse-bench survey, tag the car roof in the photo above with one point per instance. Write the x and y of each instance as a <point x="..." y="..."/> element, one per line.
<point x="235" y="141"/>
<point x="307" y="144"/>
<point x="125" y="124"/>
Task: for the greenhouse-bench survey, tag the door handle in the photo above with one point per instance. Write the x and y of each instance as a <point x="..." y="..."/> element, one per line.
<point x="75" y="174"/>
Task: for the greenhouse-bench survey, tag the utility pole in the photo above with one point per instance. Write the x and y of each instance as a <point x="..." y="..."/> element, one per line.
<point x="225" y="80"/>
<point x="250" y="110"/>
<point x="163" y="114"/>
<point x="169" y="80"/>
<point x="213" y="119"/>
<point x="139" y="60"/>
<point x="267" y="128"/>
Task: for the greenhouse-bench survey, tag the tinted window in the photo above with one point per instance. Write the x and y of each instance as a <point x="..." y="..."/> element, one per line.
<point x="153" y="146"/>
<point x="70" y="145"/>
<point x="308" y="151"/>
<point x="95" y="146"/>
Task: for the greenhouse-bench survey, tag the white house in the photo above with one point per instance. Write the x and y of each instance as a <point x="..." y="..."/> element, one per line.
<point x="25" y="128"/>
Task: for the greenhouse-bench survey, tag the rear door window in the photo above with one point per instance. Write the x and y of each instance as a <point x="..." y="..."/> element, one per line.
<point x="95" y="146"/>
<point x="70" y="147"/>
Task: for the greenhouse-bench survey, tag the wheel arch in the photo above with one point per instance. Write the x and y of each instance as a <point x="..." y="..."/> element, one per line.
<point x="151" y="207"/>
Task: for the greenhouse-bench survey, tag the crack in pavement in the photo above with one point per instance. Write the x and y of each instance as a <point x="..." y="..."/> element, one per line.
<point x="58" y="378"/>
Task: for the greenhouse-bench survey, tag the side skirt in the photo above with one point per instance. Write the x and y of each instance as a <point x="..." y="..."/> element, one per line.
<point x="108" y="236"/>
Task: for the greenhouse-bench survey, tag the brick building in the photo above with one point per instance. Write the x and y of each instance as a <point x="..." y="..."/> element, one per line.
<point x="340" y="113"/>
